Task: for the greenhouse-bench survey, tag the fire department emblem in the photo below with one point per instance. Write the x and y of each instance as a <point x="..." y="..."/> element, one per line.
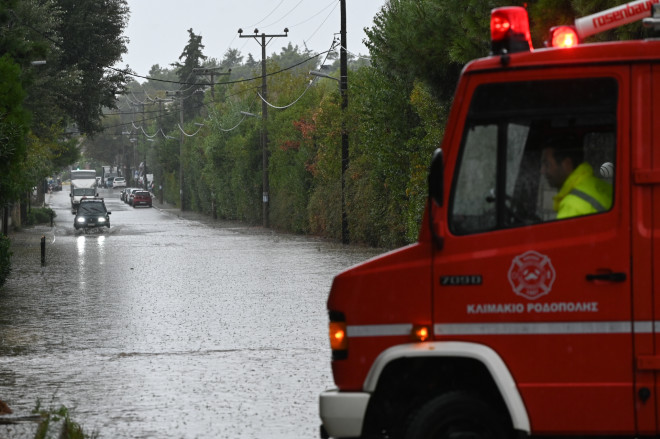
<point x="531" y="275"/>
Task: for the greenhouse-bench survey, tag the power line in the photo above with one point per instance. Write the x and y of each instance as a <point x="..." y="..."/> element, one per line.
<point x="135" y="75"/>
<point x="323" y="22"/>
<point x="303" y="93"/>
<point x="283" y="16"/>
<point x="269" y="14"/>
<point x="318" y="13"/>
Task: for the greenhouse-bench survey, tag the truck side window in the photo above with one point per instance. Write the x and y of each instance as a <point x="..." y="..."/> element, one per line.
<point x="534" y="152"/>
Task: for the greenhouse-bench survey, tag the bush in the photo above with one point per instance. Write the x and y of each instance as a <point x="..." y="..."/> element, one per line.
<point x="71" y="429"/>
<point x="5" y="259"/>
<point x="39" y="215"/>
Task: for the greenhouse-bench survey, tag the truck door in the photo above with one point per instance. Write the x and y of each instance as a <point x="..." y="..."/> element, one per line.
<point x="645" y="141"/>
<point x="550" y="294"/>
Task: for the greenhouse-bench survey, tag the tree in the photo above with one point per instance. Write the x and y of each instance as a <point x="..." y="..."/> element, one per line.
<point x="232" y="58"/>
<point x="291" y="55"/>
<point x="77" y="39"/>
<point x="14" y="123"/>
<point x="91" y="41"/>
<point x="193" y="98"/>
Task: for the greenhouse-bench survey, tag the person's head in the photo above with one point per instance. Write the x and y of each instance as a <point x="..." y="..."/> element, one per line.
<point x="559" y="157"/>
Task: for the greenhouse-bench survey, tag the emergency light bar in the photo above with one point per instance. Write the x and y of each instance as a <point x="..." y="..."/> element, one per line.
<point x="509" y="26"/>
<point x="564" y="37"/>
<point x="509" y="30"/>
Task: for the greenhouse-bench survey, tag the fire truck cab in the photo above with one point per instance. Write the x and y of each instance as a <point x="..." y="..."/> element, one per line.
<point x="509" y="317"/>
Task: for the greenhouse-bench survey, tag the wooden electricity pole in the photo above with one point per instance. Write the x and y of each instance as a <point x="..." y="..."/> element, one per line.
<point x="264" y="114"/>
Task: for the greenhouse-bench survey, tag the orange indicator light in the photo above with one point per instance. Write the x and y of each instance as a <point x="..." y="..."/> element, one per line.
<point x="338" y="339"/>
<point x="420" y="333"/>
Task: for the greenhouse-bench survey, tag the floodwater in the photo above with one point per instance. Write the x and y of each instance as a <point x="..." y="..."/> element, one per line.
<point x="170" y="327"/>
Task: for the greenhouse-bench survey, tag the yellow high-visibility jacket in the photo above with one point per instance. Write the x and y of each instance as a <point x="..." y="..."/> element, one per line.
<point x="582" y="194"/>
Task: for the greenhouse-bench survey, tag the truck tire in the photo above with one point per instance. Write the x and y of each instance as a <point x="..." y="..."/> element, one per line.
<point x="456" y="415"/>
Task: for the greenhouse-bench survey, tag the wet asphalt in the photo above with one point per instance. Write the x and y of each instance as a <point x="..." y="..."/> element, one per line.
<point x="168" y="325"/>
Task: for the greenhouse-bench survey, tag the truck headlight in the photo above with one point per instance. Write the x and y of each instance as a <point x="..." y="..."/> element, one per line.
<point x="101" y="220"/>
<point x="80" y="220"/>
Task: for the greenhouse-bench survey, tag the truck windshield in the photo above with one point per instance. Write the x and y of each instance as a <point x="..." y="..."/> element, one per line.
<point x="82" y="174"/>
<point x="528" y="153"/>
<point x="85" y="192"/>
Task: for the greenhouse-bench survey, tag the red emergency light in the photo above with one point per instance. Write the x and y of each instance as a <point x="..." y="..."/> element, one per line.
<point x="564" y="37"/>
<point x="509" y="30"/>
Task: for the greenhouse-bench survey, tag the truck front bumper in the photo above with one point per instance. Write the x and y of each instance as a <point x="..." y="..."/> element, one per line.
<point x="342" y="413"/>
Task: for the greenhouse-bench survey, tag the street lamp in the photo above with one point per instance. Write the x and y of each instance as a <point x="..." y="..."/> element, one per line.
<point x="344" y="153"/>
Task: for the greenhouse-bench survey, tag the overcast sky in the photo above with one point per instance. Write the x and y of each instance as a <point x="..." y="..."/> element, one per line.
<point x="158" y="31"/>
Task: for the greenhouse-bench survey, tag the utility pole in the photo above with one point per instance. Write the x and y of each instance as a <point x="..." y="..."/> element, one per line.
<point x="264" y="114"/>
<point x="343" y="89"/>
<point x="144" y="163"/>
<point x="178" y="93"/>
<point x="212" y="72"/>
<point x="160" y="160"/>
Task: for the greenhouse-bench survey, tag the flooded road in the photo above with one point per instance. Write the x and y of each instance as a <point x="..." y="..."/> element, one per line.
<point x="167" y="327"/>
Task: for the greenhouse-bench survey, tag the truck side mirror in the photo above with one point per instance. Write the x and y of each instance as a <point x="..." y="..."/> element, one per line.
<point x="436" y="177"/>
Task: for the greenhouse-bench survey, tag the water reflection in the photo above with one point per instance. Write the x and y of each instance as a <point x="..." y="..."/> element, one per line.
<point x="80" y="244"/>
<point x="91" y="255"/>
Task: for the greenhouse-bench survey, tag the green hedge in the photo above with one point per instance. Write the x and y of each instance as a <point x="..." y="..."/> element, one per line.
<point x="5" y="259"/>
<point x="39" y="215"/>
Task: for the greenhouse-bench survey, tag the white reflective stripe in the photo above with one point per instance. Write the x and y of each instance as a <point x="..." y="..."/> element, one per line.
<point x="612" y="327"/>
<point x="379" y="330"/>
<point x="645" y="327"/>
<point x="624" y="327"/>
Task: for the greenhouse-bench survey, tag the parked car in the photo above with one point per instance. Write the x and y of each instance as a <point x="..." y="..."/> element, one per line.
<point x="141" y="198"/>
<point x="123" y="194"/>
<point x="129" y="195"/>
<point x="55" y="184"/>
<point x="119" y="182"/>
<point x="91" y="213"/>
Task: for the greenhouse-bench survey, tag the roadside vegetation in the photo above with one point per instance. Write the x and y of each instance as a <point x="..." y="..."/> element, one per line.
<point x="5" y="259"/>
<point x="39" y="215"/>
<point x="58" y="423"/>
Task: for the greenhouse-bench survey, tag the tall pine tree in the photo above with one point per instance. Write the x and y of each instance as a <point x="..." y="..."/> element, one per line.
<point x="192" y="94"/>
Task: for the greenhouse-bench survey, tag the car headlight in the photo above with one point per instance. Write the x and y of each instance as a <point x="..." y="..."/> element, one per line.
<point x="80" y="220"/>
<point x="101" y="220"/>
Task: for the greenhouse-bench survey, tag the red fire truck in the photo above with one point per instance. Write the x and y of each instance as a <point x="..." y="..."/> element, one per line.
<point x="508" y="317"/>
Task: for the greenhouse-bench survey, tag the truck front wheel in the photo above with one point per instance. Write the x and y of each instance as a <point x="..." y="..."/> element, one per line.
<point x="456" y="415"/>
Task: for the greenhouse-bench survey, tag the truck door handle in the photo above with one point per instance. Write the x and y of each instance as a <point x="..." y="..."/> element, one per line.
<point x="610" y="277"/>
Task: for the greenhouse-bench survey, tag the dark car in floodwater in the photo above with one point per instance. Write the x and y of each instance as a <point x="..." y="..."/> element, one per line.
<point x="91" y="213"/>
